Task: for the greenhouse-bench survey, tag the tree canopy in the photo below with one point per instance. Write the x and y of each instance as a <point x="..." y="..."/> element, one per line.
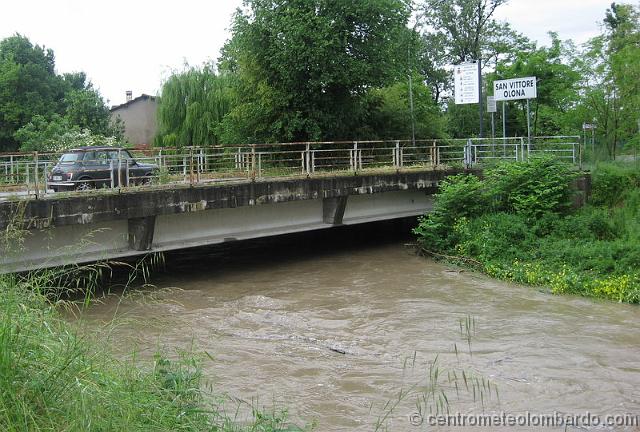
<point x="313" y="61"/>
<point x="308" y="69"/>
<point x="31" y="93"/>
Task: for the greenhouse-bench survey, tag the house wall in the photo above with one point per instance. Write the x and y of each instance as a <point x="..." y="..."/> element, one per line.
<point x="139" y="117"/>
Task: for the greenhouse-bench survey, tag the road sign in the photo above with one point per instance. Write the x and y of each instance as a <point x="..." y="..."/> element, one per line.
<point x="491" y="104"/>
<point x="465" y="78"/>
<point x="516" y="88"/>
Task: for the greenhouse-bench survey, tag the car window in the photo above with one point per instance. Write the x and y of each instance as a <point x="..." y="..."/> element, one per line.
<point x="89" y="158"/>
<point x="71" y="157"/>
<point x="123" y="155"/>
<point x="101" y="158"/>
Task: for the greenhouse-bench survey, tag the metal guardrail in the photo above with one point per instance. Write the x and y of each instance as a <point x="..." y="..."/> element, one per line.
<point x="27" y="174"/>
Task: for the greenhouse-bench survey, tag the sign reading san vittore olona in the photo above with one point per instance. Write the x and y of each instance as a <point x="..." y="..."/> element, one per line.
<point x="516" y="88"/>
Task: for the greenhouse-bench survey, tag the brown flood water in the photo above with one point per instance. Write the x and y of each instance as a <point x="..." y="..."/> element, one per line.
<point x="334" y="334"/>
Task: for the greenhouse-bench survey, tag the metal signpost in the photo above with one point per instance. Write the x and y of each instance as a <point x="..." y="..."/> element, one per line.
<point x="589" y="127"/>
<point x="492" y="108"/>
<point x="516" y="89"/>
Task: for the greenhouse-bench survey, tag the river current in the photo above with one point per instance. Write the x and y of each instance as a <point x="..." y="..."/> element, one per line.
<point x="352" y="330"/>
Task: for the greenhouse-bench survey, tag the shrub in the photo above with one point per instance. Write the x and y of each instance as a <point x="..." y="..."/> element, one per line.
<point x="460" y="196"/>
<point x="518" y="225"/>
<point x="532" y="188"/>
<point x="612" y="182"/>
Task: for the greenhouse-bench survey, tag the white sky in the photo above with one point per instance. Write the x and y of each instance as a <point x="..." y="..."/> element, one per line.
<point x="133" y="44"/>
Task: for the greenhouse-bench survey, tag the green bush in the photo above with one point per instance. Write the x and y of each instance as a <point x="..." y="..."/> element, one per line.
<point x="460" y="196"/>
<point x="612" y="182"/>
<point x="517" y="224"/>
<point x="533" y="188"/>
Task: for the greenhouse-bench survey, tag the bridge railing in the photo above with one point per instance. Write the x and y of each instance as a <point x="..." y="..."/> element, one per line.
<point x="28" y="174"/>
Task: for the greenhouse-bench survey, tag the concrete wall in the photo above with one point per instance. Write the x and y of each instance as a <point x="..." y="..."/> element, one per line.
<point x="139" y="117"/>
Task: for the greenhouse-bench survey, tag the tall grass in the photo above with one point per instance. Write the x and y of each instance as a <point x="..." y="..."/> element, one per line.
<point x="53" y="379"/>
<point x="441" y="388"/>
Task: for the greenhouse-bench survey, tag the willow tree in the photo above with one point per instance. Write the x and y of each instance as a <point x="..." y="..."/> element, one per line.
<point x="192" y="105"/>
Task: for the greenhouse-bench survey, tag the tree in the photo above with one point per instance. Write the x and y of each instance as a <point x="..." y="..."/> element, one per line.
<point x="390" y="112"/>
<point x="28" y="86"/>
<point x="44" y="134"/>
<point x="87" y="110"/>
<point x="192" y="106"/>
<point x="612" y="77"/>
<point x="460" y="26"/>
<point x="32" y="93"/>
<point x="304" y="66"/>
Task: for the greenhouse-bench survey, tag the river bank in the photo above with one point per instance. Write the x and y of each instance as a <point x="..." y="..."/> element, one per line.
<point x="516" y="224"/>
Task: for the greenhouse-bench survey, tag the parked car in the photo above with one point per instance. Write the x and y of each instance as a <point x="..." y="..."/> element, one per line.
<point x="93" y="167"/>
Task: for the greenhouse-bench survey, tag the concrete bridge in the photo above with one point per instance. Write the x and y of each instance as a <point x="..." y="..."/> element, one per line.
<point x="219" y="194"/>
<point x="111" y="224"/>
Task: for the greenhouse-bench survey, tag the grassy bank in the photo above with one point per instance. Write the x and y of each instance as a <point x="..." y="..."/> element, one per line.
<point x="517" y="224"/>
<point x="52" y="379"/>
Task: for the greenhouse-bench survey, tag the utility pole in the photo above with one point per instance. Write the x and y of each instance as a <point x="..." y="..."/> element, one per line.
<point x="413" y="118"/>
<point x="480" y="101"/>
<point x="479" y="52"/>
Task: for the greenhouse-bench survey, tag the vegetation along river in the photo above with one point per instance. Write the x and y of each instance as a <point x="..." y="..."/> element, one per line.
<point x="333" y="326"/>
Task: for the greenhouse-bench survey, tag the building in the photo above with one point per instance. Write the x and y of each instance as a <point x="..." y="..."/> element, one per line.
<point x="139" y="117"/>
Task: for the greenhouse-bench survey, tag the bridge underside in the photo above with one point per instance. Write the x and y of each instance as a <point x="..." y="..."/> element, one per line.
<point x="81" y="228"/>
<point x="108" y="240"/>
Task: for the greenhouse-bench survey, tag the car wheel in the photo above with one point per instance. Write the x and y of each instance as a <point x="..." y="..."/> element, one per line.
<point x="84" y="185"/>
<point x="147" y="180"/>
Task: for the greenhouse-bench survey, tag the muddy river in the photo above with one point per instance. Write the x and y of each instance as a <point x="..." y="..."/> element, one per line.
<point x="357" y="334"/>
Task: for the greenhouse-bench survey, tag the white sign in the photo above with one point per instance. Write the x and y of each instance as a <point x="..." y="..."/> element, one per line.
<point x="516" y="88"/>
<point x="491" y="104"/>
<point x="465" y="77"/>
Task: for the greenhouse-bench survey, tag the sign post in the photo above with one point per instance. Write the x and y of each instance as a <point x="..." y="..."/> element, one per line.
<point x="516" y="89"/>
<point x="492" y="108"/>
<point x="528" y="126"/>
<point x="480" y="99"/>
<point x="504" y="120"/>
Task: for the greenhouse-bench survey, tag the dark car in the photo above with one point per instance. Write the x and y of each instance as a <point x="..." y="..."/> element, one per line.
<point x="93" y="167"/>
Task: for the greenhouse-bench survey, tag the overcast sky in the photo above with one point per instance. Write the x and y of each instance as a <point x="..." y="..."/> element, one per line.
<point x="134" y="44"/>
